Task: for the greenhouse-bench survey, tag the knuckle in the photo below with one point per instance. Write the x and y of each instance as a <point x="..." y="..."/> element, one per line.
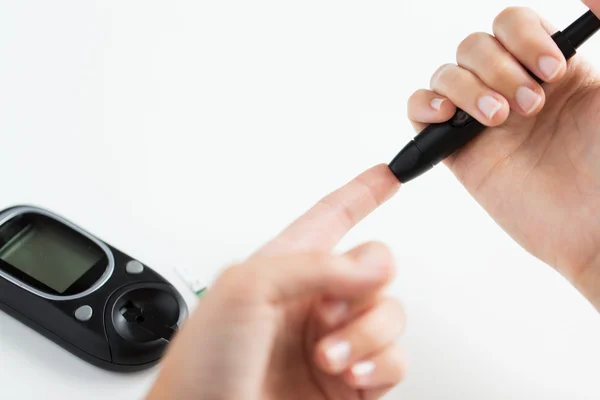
<point x="442" y="74"/>
<point x="509" y="14"/>
<point x="471" y="43"/>
<point x="344" y="215"/>
<point x="500" y="70"/>
<point x="529" y="38"/>
<point x="373" y="191"/>
<point x="514" y="17"/>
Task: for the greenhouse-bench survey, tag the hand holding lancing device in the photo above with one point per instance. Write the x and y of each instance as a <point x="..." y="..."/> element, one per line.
<point x="537" y="169"/>
<point x="295" y="321"/>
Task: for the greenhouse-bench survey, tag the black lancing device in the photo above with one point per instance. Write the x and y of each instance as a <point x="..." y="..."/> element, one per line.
<point x="95" y="301"/>
<point x="438" y="141"/>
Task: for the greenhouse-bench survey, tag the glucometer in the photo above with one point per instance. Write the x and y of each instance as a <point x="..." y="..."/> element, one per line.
<point x="85" y="295"/>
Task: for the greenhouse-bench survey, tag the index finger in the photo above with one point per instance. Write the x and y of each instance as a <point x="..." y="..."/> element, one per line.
<point x="594" y="5"/>
<point x="324" y="225"/>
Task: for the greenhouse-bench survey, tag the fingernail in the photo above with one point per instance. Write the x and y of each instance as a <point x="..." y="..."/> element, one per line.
<point x="489" y="106"/>
<point x="527" y="99"/>
<point x="549" y="66"/>
<point x="334" y="312"/>
<point x="337" y="355"/>
<point x="436" y="104"/>
<point x="362" y="371"/>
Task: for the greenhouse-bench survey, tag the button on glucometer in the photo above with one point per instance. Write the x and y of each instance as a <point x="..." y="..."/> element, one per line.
<point x="84" y="313"/>
<point x="134" y="267"/>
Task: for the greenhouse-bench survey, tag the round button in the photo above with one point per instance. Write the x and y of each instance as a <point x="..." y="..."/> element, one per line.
<point x="461" y="118"/>
<point x="84" y="313"/>
<point x="134" y="267"/>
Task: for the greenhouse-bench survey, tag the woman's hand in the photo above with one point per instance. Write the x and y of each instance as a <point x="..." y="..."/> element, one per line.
<point x="537" y="171"/>
<point x="295" y="321"/>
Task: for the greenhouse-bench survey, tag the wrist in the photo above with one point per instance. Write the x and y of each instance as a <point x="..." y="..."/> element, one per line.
<point x="587" y="281"/>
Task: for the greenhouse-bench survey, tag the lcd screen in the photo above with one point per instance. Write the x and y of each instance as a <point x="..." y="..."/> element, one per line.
<point x="50" y="253"/>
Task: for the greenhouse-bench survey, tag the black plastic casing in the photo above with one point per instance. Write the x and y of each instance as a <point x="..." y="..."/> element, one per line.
<point x="105" y="340"/>
<point x="433" y="145"/>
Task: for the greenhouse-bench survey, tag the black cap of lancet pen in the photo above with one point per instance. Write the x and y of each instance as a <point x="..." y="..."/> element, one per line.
<point x="410" y="163"/>
<point x="438" y="141"/>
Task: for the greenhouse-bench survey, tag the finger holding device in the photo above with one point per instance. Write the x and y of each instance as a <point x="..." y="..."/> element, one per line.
<point x="438" y="141"/>
<point x="594" y="5"/>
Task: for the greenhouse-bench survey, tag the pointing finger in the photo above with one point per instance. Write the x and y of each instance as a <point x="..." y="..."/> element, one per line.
<point x="324" y="225"/>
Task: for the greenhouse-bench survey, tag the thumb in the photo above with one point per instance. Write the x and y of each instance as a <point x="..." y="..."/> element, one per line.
<point x="285" y="278"/>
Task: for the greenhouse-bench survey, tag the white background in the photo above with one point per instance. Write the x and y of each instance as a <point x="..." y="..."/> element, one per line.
<point x="187" y="133"/>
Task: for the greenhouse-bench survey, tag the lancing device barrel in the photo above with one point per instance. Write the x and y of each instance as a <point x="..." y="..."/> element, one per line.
<point x="438" y="141"/>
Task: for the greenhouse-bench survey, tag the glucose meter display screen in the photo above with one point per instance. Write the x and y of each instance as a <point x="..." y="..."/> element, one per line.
<point x="49" y="252"/>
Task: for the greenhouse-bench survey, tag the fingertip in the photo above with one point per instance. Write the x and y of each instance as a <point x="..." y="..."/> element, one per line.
<point x="332" y="356"/>
<point x="553" y="67"/>
<point x="552" y="63"/>
<point x="528" y="37"/>
<point x="386" y="369"/>
<point x="332" y="312"/>
<point x="381" y="183"/>
<point x="386" y="182"/>
<point x="320" y="358"/>
<point x="437" y="103"/>
<point x="493" y="110"/>
<point x="360" y="375"/>
<point x="444" y="109"/>
<point x="426" y="107"/>
<point x="529" y="102"/>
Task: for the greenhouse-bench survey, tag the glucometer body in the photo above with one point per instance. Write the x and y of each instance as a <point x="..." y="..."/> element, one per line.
<point x="85" y="295"/>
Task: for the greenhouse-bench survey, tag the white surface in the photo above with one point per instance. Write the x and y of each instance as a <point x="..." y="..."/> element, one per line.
<point x="190" y="132"/>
